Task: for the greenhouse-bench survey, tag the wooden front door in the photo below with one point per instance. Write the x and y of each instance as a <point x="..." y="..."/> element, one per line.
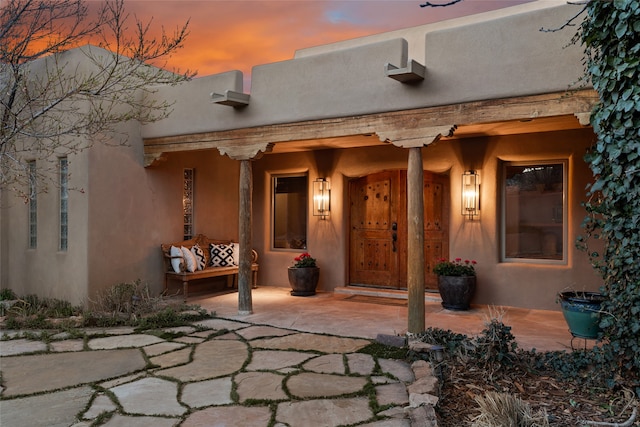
<point x="378" y="228"/>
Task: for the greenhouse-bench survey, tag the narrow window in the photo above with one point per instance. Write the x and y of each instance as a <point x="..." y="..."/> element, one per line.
<point x="534" y="211"/>
<point x="63" y="177"/>
<point x="33" y="205"/>
<point x="187" y="203"/>
<point x="290" y="212"/>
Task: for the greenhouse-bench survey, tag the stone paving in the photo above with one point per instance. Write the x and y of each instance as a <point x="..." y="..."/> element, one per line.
<point x="216" y="372"/>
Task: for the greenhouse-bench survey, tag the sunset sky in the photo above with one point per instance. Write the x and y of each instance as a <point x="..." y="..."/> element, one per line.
<point x="239" y="34"/>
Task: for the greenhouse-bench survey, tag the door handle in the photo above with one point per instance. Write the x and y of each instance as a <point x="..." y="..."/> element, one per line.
<point x="394" y="226"/>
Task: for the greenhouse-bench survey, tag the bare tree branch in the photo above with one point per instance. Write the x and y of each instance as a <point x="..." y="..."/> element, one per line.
<point x="571" y="21"/>
<point x="59" y="94"/>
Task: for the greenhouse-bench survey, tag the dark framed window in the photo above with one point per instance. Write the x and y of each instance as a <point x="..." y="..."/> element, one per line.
<point x="289" y="215"/>
<point x="534" y="220"/>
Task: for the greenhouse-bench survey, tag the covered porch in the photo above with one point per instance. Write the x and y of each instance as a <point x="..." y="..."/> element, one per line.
<point x="366" y="316"/>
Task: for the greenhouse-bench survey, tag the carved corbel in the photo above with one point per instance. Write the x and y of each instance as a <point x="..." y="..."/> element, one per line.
<point x="252" y="151"/>
<point x="416" y="137"/>
<point x="583" y="118"/>
<point x="152" y="159"/>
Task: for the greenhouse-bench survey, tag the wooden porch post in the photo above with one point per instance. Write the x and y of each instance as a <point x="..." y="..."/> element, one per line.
<point x="415" y="244"/>
<point x="245" y="305"/>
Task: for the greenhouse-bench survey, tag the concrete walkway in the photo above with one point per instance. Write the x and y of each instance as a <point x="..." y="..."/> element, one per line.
<point x="294" y="362"/>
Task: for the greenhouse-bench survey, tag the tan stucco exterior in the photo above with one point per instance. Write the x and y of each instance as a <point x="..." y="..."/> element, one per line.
<point x="332" y="112"/>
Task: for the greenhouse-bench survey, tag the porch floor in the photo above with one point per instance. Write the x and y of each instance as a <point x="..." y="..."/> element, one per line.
<point x="337" y="313"/>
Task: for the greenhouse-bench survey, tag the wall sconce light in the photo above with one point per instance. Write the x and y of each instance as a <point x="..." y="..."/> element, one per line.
<point x="321" y="198"/>
<point x="470" y="194"/>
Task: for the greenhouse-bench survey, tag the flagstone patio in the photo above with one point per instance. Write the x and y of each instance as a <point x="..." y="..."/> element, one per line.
<point x="275" y="367"/>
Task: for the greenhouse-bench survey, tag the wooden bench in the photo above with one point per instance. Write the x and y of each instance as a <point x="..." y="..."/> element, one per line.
<point x="209" y="271"/>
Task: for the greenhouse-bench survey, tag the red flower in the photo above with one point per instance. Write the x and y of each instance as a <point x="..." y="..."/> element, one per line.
<point x="304" y="260"/>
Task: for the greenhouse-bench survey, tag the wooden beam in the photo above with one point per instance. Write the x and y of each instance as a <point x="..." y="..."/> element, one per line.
<point x="397" y="126"/>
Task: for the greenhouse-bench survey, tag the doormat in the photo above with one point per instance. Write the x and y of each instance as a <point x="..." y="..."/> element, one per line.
<point x="377" y="300"/>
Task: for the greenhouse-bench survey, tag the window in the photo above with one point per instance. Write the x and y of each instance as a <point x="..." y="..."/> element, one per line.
<point x="187" y="203"/>
<point x="33" y="205"/>
<point x="63" y="183"/>
<point x="534" y="211"/>
<point x="290" y="212"/>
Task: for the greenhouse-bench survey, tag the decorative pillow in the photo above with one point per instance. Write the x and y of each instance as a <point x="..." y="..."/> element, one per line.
<point x="176" y="262"/>
<point x="189" y="259"/>
<point x="221" y="255"/>
<point x="197" y="251"/>
<point x="236" y="253"/>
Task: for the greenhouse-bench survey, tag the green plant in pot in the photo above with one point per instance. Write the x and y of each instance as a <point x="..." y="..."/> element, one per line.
<point x="581" y="310"/>
<point x="456" y="282"/>
<point x="303" y="275"/>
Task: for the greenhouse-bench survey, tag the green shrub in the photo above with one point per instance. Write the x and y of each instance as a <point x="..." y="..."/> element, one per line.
<point x="7" y="294"/>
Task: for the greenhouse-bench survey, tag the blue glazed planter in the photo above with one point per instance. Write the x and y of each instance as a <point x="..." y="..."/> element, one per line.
<point x="580" y="310"/>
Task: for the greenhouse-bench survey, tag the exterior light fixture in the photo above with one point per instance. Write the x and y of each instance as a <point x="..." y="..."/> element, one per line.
<point x="321" y="198"/>
<point x="470" y="194"/>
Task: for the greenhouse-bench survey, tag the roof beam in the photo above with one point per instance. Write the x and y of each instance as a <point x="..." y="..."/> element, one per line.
<point x="396" y="126"/>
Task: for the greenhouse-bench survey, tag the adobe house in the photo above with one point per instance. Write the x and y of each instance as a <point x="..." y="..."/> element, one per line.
<point x="385" y="121"/>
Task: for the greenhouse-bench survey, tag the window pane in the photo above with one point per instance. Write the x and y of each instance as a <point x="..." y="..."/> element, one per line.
<point x="534" y="211"/>
<point x="187" y="203"/>
<point x="290" y="212"/>
<point x="63" y="202"/>
<point x="33" y="206"/>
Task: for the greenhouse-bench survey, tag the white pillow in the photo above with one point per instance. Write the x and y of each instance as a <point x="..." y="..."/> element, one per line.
<point x="197" y="251"/>
<point x="175" y="262"/>
<point x="189" y="259"/>
<point x="236" y="253"/>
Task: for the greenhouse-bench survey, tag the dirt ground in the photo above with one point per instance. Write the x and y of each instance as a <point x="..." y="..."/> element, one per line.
<point x="565" y="403"/>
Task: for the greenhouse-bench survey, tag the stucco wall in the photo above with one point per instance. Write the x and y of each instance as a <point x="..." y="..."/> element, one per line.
<point x="45" y="270"/>
<point x="518" y="283"/>
<point x="492" y="56"/>
<point x="134" y="210"/>
<point x="514" y="283"/>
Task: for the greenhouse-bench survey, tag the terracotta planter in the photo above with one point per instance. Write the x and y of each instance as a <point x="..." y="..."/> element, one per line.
<point x="580" y="310"/>
<point x="303" y="281"/>
<point x="456" y="291"/>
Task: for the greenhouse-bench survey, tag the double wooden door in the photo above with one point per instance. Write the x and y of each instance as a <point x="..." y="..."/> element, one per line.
<point x="378" y="228"/>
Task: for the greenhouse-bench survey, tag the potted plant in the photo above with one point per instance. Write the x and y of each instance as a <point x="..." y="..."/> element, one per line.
<point x="581" y="311"/>
<point x="456" y="282"/>
<point x="304" y="275"/>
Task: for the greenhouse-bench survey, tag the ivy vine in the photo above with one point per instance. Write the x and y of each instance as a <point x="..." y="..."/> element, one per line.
<point x="610" y="34"/>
